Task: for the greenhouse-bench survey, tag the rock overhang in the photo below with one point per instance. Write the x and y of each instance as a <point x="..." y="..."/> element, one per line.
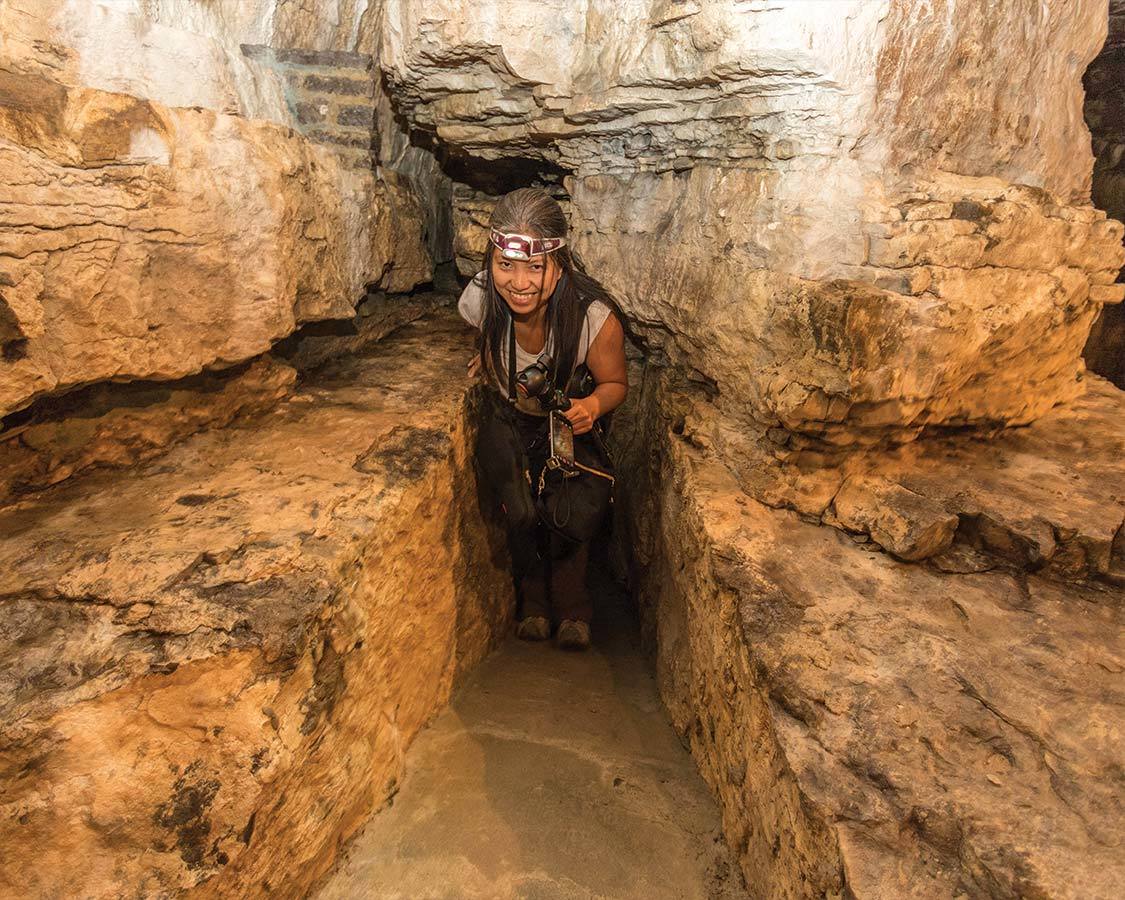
<point x="777" y="163"/>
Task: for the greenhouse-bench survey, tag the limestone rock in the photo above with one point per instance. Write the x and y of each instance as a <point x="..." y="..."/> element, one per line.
<point x="1049" y="496"/>
<point x="902" y="522"/>
<point x="115" y="425"/>
<point x="173" y="58"/>
<point x="872" y="728"/>
<point x="145" y="242"/>
<point x="471" y="212"/>
<point x="213" y="663"/>
<point x="400" y="256"/>
<point x="899" y="344"/>
<point x="790" y="227"/>
<point x="376" y="317"/>
<point x="1105" y="115"/>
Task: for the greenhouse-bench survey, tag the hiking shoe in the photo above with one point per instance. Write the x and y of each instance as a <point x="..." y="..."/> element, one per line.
<point x="533" y="628"/>
<point x="573" y="635"/>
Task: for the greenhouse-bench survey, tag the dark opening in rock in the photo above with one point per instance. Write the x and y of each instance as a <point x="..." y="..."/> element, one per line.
<point x="1105" y="116"/>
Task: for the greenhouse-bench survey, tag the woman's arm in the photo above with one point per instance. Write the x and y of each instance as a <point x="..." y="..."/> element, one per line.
<point x="606" y="360"/>
<point x="471" y="307"/>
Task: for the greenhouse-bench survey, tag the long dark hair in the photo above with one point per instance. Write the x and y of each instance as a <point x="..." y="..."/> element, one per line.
<point x="535" y="213"/>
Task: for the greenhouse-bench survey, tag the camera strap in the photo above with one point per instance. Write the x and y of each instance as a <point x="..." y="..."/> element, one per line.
<point x="512" y="396"/>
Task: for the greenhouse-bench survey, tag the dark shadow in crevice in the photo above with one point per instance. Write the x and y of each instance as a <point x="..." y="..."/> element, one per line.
<point x="490" y="176"/>
<point x="1104" y="111"/>
<point x="94" y="400"/>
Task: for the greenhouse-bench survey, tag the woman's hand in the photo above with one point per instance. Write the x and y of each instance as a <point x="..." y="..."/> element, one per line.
<point x="583" y="413"/>
<point x="474" y="366"/>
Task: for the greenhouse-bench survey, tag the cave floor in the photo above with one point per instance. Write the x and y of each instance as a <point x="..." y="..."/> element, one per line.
<point x="551" y="775"/>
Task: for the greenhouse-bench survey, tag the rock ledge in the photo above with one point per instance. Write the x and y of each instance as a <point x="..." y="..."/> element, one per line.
<point x="213" y="663"/>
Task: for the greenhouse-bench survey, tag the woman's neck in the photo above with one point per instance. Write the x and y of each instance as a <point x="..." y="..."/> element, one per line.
<point x="532" y="321"/>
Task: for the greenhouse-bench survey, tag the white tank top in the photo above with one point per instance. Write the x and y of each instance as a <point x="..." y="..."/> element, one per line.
<point x="471" y="308"/>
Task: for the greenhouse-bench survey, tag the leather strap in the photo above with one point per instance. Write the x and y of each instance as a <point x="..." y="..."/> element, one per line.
<point x="511" y="360"/>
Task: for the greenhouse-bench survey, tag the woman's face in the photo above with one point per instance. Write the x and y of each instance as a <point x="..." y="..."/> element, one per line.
<point x="525" y="286"/>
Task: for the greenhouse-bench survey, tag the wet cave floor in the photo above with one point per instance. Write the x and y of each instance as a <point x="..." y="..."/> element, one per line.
<point x="552" y="774"/>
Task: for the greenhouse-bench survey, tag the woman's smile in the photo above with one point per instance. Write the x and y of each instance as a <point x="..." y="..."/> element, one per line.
<point x="522" y="297"/>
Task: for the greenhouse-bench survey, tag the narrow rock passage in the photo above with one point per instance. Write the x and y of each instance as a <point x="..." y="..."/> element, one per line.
<point x="551" y="775"/>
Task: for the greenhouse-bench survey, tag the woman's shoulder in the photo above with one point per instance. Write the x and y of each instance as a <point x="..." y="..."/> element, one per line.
<point x="596" y="315"/>
<point x="471" y="304"/>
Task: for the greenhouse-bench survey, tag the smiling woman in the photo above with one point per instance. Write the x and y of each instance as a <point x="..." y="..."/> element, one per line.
<point x="541" y="316"/>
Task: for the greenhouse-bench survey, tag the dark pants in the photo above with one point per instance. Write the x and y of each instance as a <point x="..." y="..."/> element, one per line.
<point x="549" y="569"/>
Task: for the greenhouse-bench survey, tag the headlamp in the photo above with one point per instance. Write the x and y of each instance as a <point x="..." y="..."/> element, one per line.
<point x="522" y="246"/>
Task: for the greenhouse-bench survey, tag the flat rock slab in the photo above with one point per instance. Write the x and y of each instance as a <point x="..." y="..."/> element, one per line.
<point x="886" y="728"/>
<point x="1049" y="496"/>
<point x="551" y="775"/>
<point x="213" y="663"/>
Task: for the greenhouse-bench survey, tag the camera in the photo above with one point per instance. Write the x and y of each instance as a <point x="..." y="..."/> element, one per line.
<point x="538" y="381"/>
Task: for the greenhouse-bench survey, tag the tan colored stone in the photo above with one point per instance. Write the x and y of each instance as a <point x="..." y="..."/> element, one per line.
<point x="214" y="663"/>
<point x="1048" y="496"/>
<point x="119" y="426"/>
<point x="144" y="242"/>
<point x="874" y="728"/>
<point x="400" y="258"/>
<point x="750" y="218"/>
<point x="904" y="523"/>
<point x="983" y="343"/>
<point x="471" y="212"/>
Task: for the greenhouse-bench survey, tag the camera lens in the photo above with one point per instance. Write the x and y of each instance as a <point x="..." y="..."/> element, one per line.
<point x="532" y="381"/>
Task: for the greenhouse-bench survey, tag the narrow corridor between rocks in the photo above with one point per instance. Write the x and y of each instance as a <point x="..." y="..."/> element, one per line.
<point x="847" y="277"/>
<point x="551" y="775"/>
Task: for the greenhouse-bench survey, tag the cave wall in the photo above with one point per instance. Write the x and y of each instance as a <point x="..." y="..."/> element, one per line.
<point x="856" y="247"/>
<point x="162" y="211"/>
<point x="841" y="223"/>
<point x="906" y="683"/>
<point x="847" y="216"/>
<point x="1105" y="114"/>
<point x="213" y="662"/>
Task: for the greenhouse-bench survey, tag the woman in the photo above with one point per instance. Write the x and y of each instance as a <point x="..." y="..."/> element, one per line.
<point x="533" y="285"/>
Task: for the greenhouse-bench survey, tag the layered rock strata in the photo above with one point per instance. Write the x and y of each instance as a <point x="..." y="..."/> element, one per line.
<point x="121" y="260"/>
<point x="1048" y="498"/>
<point x="214" y="662"/>
<point x="769" y="189"/>
<point x="109" y="425"/>
<point x="880" y="729"/>
<point x="142" y="239"/>
<point x="962" y="311"/>
<point x="471" y="212"/>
